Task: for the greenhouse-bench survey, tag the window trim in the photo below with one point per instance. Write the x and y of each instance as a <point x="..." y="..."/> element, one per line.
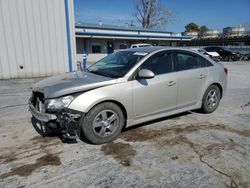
<point x="159" y="54"/>
<point x="171" y="52"/>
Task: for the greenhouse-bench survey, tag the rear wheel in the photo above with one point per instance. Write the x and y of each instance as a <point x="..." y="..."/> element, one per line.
<point x="103" y="123"/>
<point x="211" y="99"/>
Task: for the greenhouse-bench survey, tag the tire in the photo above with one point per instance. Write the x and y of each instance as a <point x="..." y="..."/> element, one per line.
<point x="228" y="58"/>
<point x="103" y="123"/>
<point x="211" y="99"/>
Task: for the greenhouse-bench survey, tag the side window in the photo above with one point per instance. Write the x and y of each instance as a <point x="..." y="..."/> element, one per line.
<point x="187" y="61"/>
<point x="204" y="63"/>
<point x="159" y="64"/>
<point x="96" y="48"/>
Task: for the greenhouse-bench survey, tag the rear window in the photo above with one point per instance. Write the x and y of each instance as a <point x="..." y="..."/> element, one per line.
<point x="204" y="63"/>
<point x="187" y="61"/>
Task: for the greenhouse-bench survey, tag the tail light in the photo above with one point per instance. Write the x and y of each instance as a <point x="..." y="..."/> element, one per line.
<point x="225" y="70"/>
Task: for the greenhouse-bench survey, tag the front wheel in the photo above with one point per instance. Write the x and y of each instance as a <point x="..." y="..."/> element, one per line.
<point x="103" y="123"/>
<point x="211" y="99"/>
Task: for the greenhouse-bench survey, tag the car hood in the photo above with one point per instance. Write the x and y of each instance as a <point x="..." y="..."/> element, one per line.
<point x="70" y="83"/>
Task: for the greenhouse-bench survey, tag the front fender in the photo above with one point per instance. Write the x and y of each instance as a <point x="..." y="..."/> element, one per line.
<point x="121" y="93"/>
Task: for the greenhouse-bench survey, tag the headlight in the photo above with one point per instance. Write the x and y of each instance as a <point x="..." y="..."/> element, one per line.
<point x="59" y="103"/>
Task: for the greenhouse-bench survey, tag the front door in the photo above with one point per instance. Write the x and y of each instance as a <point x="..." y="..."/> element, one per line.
<point x="110" y="47"/>
<point x="152" y="97"/>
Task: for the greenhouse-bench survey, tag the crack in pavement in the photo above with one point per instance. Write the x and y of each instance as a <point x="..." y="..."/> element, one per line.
<point x="11" y="106"/>
<point x="192" y="145"/>
<point x="245" y="105"/>
<point x="184" y="140"/>
<point x="175" y="136"/>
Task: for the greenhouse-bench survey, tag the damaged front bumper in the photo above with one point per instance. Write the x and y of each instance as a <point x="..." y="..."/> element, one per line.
<point x="44" y="117"/>
<point x="65" y="120"/>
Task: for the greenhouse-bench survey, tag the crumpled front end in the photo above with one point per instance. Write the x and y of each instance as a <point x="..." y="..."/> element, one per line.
<point x="64" y="120"/>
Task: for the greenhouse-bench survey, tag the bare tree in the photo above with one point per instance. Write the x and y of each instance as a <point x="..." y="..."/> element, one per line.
<point x="153" y="14"/>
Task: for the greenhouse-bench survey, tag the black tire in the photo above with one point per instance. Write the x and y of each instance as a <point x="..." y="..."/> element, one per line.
<point x="209" y="103"/>
<point x="225" y="58"/>
<point x="97" y="129"/>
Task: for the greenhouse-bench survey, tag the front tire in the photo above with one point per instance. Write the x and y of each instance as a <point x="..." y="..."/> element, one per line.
<point x="103" y="123"/>
<point x="211" y="99"/>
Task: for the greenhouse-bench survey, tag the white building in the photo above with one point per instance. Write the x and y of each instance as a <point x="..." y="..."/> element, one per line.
<point x="234" y="31"/>
<point x="193" y="34"/>
<point x="211" y="33"/>
<point x="99" y="40"/>
<point x="37" y="38"/>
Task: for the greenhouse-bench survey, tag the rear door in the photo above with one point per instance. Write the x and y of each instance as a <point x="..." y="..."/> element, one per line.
<point x="191" y="78"/>
<point x="157" y="95"/>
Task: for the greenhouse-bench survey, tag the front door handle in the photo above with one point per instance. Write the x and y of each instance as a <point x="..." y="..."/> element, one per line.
<point x="171" y="83"/>
<point x="202" y="76"/>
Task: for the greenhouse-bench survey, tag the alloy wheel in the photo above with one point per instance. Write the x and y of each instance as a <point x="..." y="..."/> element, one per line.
<point x="105" y="123"/>
<point x="212" y="99"/>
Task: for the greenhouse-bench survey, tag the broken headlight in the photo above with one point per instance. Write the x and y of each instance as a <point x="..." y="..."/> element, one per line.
<point x="59" y="103"/>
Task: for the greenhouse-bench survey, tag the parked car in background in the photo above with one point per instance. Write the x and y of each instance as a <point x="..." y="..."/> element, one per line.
<point x="225" y="53"/>
<point x="140" y="45"/>
<point x="201" y="51"/>
<point x="213" y="55"/>
<point x="127" y="88"/>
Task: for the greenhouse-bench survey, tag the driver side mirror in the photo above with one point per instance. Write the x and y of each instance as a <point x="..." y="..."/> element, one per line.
<point x="145" y="74"/>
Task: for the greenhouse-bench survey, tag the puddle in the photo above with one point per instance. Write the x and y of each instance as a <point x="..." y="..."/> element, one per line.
<point x="7" y="158"/>
<point x="30" y="149"/>
<point x="174" y="157"/>
<point x="42" y="139"/>
<point x="141" y="134"/>
<point x="119" y="151"/>
<point x="27" y="169"/>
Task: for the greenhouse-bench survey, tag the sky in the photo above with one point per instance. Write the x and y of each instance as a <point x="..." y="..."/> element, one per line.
<point x="216" y="14"/>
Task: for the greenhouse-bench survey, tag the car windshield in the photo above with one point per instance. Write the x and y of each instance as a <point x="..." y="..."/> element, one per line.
<point x="117" y="64"/>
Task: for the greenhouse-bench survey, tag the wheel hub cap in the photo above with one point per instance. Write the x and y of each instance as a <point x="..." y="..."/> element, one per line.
<point x="105" y="123"/>
<point x="212" y="99"/>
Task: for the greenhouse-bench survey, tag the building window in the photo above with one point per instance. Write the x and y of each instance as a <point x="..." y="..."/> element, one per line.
<point x="123" y="46"/>
<point x="96" y="49"/>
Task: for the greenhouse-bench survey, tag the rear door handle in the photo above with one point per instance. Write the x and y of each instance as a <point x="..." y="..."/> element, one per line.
<point x="202" y="76"/>
<point x="171" y="83"/>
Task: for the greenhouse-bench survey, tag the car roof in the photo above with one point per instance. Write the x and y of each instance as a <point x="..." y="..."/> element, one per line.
<point x="156" y="48"/>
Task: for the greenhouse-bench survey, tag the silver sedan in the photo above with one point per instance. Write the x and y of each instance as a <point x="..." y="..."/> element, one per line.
<point x="126" y="88"/>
